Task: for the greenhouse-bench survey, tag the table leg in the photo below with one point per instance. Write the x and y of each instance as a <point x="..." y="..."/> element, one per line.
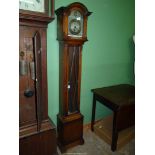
<point x="93" y="112"/>
<point x="114" y="133"/>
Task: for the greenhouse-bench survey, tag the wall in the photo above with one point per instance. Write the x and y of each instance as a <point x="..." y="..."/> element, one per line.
<point x="107" y="57"/>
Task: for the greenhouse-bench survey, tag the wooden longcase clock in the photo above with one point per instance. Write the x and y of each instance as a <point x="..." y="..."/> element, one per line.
<point x="71" y="34"/>
<point x="37" y="134"/>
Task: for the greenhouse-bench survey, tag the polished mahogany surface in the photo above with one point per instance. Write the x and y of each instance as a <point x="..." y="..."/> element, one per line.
<point x="37" y="133"/>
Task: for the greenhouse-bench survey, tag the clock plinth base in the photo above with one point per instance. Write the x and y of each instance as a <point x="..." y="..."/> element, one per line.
<point x="70" y="131"/>
<point x="63" y="148"/>
<point x="39" y="143"/>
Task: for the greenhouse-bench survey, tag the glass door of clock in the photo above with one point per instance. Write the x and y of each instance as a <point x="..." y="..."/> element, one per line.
<point x="73" y="75"/>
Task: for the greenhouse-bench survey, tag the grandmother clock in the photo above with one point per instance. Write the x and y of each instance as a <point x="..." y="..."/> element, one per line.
<point x="71" y="34"/>
<point x="37" y="134"/>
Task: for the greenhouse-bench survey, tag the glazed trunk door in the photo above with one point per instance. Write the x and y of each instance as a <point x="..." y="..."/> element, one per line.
<point x="73" y="75"/>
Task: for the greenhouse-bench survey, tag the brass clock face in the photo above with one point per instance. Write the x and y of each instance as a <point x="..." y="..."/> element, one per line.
<point x="32" y="5"/>
<point x="75" y="24"/>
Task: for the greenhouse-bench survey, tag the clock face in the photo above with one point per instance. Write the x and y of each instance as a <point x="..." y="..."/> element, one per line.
<point x="75" y="24"/>
<point x="32" y="5"/>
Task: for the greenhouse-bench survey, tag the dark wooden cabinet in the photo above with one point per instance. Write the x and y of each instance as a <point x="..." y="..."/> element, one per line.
<point x="37" y="134"/>
<point x="71" y="34"/>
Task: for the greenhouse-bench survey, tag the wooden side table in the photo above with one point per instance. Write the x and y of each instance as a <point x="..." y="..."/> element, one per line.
<point x="121" y="100"/>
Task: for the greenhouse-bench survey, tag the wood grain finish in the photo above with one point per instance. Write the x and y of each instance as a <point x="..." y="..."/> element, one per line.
<point x="42" y="143"/>
<point x="69" y="119"/>
<point x="70" y="131"/>
<point x="121" y="100"/>
<point x="30" y="103"/>
<point x="37" y="134"/>
<point x="62" y="22"/>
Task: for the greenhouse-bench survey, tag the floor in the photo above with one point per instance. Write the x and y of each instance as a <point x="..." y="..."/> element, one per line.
<point x="95" y="146"/>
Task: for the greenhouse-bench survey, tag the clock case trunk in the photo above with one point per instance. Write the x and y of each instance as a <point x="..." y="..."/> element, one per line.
<point x="70" y="119"/>
<point x="37" y="132"/>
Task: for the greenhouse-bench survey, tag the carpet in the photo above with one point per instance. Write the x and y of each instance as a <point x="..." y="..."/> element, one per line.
<point x="94" y="145"/>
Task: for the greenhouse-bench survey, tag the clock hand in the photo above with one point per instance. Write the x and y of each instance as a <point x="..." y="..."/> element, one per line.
<point x="75" y="28"/>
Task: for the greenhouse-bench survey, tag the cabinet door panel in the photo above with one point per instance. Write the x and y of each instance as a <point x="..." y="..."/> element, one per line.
<point x="26" y="83"/>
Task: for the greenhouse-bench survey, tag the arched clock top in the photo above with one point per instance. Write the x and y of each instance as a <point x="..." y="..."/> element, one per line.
<point x="72" y="22"/>
<point x="81" y="7"/>
<point x="74" y="6"/>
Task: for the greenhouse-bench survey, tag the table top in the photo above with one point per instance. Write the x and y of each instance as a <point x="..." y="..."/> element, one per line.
<point x="117" y="94"/>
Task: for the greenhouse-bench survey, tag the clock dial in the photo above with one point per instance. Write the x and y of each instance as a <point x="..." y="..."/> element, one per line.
<point x="75" y="24"/>
<point x="32" y="5"/>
